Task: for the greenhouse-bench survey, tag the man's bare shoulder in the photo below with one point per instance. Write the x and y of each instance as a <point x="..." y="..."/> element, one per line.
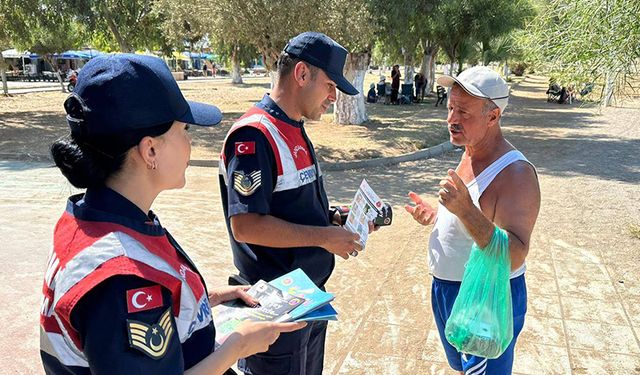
<point x="518" y="179"/>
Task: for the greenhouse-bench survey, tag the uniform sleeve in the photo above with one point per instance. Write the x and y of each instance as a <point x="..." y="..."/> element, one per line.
<point x="251" y="172"/>
<point x="101" y="317"/>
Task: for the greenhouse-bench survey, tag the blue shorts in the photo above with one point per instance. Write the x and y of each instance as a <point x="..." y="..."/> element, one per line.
<point x="443" y="295"/>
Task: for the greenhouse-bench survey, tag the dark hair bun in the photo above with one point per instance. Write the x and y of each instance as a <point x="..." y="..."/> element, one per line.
<point x="81" y="167"/>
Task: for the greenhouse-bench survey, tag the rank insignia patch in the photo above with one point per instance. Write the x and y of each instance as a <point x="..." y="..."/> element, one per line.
<point x="246" y="184"/>
<point x="154" y="339"/>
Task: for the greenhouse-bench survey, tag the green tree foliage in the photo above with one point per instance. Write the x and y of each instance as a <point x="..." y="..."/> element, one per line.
<point x="13" y="27"/>
<point x="595" y="41"/>
<point x="429" y="46"/>
<point x="461" y="22"/>
<point x="351" y="24"/>
<point x="191" y="22"/>
<point x="269" y="24"/>
<point x="182" y="22"/>
<point x="124" y="25"/>
<point x="49" y="27"/>
<point x="237" y="54"/>
<point x="400" y="24"/>
<point x="265" y="24"/>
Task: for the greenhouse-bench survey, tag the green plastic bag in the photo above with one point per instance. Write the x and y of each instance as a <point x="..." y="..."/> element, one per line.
<point x="481" y="321"/>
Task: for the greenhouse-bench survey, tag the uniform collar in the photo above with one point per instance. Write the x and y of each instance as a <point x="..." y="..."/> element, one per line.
<point x="268" y="105"/>
<point x="104" y="204"/>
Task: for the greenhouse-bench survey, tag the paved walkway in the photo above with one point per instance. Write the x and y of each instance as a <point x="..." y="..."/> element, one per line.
<point x="583" y="269"/>
<point x="26" y="87"/>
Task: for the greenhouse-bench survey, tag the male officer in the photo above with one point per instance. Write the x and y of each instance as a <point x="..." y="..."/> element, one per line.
<point x="272" y="190"/>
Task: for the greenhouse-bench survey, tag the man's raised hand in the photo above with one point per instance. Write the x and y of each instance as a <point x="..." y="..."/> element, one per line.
<point x="454" y="194"/>
<point x="422" y="212"/>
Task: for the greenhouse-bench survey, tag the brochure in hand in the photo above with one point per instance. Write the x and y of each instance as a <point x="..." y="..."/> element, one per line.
<point x="366" y="206"/>
<point x="274" y="304"/>
<point x="297" y="283"/>
<point x="291" y="297"/>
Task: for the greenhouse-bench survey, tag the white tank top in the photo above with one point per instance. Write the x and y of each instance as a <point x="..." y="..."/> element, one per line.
<point x="450" y="242"/>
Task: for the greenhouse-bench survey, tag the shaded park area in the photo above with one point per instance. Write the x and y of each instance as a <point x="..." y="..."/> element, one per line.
<point x="30" y="123"/>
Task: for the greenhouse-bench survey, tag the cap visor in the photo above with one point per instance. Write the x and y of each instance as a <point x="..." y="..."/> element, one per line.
<point x="448" y="81"/>
<point x="202" y="114"/>
<point x="342" y="84"/>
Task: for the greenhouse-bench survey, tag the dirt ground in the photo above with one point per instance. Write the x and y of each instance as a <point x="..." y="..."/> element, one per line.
<point x="30" y="123"/>
<point x="583" y="269"/>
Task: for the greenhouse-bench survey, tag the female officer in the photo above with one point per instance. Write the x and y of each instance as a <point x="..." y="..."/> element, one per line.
<point x="120" y="294"/>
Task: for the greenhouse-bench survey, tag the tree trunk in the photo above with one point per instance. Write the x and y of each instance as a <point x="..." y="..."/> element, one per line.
<point x="432" y="81"/>
<point x="3" y="74"/>
<point x="270" y="59"/>
<point x="236" y="76"/>
<point x="485" y="53"/>
<point x="351" y="109"/>
<point x="49" y="61"/>
<point x="122" y="43"/>
<point x="408" y="68"/>
<point x="428" y="66"/>
<point x="609" y="89"/>
<point x="273" y="75"/>
<point x="5" y="88"/>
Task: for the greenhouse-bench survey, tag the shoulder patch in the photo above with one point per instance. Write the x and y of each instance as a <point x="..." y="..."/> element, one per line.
<point x="146" y="298"/>
<point x="153" y="340"/>
<point x="246" y="184"/>
<point x="245" y="148"/>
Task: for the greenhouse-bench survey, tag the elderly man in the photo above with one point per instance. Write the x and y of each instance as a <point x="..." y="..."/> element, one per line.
<point x="493" y="185"/>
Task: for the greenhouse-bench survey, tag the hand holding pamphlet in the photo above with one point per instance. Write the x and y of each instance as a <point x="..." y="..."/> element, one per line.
<point x="298" y="284"/>
<point x="366" y="207"/>
<point x="291" y="297"/>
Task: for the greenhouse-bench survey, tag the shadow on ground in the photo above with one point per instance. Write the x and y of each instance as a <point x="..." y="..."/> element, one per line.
<point x="550" y="134"/>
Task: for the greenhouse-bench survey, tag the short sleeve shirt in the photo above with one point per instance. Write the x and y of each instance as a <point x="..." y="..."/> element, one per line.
<point x="270" y="168"/>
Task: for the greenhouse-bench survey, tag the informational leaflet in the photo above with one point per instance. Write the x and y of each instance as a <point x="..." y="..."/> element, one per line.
<point x="274" y="304"/>
<point x="365" y="207"/>
<point x="291" y="297"/>
<point x="297" y="283"/>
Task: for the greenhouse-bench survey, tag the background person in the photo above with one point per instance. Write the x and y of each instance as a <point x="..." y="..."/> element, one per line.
<point x="371" y="94"/>
<point x="395" y="83"/>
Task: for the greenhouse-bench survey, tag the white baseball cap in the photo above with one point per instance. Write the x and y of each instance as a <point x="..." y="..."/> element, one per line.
<point x="481" y="82"/>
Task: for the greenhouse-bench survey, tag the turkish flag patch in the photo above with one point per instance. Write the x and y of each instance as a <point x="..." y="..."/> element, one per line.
<point x="245" y="148"/>
<point x="142" y="299"/>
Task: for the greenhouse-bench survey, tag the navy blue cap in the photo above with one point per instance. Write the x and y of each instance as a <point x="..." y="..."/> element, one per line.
<point x="125" y="92"/>
<point x="323" y="52"/>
